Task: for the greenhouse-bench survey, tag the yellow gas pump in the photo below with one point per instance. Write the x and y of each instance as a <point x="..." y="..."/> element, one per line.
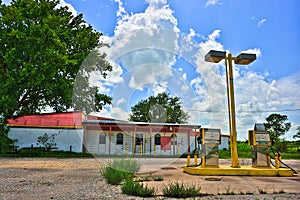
<point x="259" y="139"/>
<point x="211" y="138"/>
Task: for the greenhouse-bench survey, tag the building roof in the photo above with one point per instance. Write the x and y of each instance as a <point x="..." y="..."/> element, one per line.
<point x="116" y="125"/>
<point x="79" y="120"/>
<point x="49" y="120"/>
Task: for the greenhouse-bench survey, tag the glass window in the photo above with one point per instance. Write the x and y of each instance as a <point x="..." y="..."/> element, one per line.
<point x="120" y="138"/>
<point x="157" y="139"/>
<point x="102" y="138"/>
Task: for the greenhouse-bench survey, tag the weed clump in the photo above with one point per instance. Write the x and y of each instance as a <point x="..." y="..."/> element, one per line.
<point x="118" y="170"/>
<point x="131" y="187"/>
<point x="179" y="190"/>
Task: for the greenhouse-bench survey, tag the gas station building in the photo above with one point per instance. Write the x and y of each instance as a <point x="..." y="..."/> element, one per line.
<point x="99" y="135"/>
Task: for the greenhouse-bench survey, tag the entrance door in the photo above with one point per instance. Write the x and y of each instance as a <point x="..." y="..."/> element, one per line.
<point x="102" y="143"/>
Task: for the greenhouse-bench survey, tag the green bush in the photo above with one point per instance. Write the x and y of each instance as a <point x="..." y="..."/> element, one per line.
<point x="261" y="191"/>
<point x="179" y="190"/>
<point x="137" y="189"/>
<point x="127" y="165"/>
<point x="120" y="169"/>
<point x="32" y="152"/>
<point x="114" y="176"/>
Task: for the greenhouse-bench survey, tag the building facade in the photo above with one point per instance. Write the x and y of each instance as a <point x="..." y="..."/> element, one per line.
<point x="104" y="136"/>
<point x="116" y="137"/>
<point x="66" y="128"/>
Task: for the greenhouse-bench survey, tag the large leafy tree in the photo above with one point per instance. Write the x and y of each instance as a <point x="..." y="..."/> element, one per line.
<point x="278" y="125"/>
<point x="297" y="135"/>
<point x="42" y="48"/>
<point x="159" y="109"/>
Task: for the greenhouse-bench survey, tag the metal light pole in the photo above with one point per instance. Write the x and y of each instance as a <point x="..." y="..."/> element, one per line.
<point x="242" y="59"/>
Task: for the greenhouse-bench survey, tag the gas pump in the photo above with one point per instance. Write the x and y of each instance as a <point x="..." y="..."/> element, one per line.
<point x="211" y="138"/>
<point x="259" y="139"/>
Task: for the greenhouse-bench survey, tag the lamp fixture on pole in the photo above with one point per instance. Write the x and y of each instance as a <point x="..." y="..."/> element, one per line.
<point x="242" y="59"/>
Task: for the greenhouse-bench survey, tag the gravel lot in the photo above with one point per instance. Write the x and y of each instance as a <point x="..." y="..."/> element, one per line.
<point x="50" y="178"/>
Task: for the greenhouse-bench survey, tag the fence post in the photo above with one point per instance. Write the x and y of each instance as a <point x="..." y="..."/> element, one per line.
<point x="70" y="150"/>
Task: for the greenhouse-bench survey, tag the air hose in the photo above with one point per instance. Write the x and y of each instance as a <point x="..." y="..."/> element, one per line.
<point x="276" y="151"/>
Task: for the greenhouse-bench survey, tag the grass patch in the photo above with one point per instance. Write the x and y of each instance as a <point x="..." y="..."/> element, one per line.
<point x="279" y="192"/>
<point x="229" y="191"/>
<point x="242" y="193"/>
<point x="114" y="176"/>
<point x="42" y="153"/>
<point x="157" y="178"/>
<point x="262" y="191"/>
<point x="120" y="169"/>
<point x="125" y="164"/>
<point x="295" y="156"/>
<point x="150" y="177"/>
<point x="131" y="187"/>
<point x="179" y="190"/>
<point x="225" y="154"/>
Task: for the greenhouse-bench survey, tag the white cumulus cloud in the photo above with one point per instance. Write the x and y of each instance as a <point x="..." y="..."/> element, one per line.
<point x="213" y="3"/>
<point x="261" y="22"/>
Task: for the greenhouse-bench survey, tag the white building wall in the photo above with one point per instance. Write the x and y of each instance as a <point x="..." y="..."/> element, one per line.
<point x="64" y="139"/>
<point x="128" y="139"/>
<point x="224" y="143"/>
<point x="92" y="143"/>
<point x="94" y="147"/>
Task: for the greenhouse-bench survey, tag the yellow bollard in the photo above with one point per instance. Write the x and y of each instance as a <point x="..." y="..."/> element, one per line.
<point x="126" y="149"/>
<point x="154" y="149"/>
<point x="178" y="150"/>
<point x="195" y="159"/>
<point x="141" y="148"/>
<point x="276" y="161"/>
<point x="202" y="159"/>
<point x="279" y="159"/>
<point x="188" y="160"/>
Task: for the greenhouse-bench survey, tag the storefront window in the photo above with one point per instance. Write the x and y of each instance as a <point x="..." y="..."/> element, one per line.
<point x="120" y="138"/>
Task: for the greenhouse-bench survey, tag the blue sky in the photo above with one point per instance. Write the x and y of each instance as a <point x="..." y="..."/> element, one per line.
<point x="270" y="26"/>
<point x="159" y="45"/>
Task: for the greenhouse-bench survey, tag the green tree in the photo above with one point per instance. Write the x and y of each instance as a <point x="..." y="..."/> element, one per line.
<point x="43" y="50"/>
<point x="159" y="109"/>
<point x="278" y="125"/>
<point x="47" y="141"/>
<point x="297" y="135"/>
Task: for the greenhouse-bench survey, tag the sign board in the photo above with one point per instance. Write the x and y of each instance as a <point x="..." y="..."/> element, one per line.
<point x="262" y="138"/>
<point x="212" y="136"/>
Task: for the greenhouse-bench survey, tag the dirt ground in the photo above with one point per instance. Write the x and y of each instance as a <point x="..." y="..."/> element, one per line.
<point x="50" y="178"/>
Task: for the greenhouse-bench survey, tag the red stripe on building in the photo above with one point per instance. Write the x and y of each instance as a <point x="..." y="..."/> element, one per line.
<point x="67" y="120"/>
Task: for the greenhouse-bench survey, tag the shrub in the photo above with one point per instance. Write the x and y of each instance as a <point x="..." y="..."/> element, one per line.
<point x="179" y="190"/>
<point x="137" y="189"/>
<point x="229" y="191"/>
<point x="32" y="152"/>
<point x="157" y="178"/>
<point x="261" y="191"/>
<point x="127" y="165"/>
<point x="281" y="191"/>
<point x="118" y="170"/>
<point x="114" y="176"/>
